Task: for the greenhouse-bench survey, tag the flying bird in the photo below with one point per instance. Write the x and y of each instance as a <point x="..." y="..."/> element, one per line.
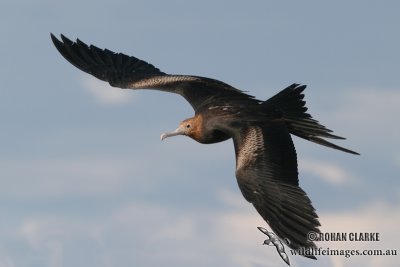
<point x="266" y="161"/>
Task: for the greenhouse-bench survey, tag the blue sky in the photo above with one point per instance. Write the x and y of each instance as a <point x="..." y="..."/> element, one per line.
<point x="86" y="180"/>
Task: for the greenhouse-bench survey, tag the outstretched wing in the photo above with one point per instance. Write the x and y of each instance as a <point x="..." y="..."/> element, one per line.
<point x="266" y="171"/>
<point x="130" y="72"/>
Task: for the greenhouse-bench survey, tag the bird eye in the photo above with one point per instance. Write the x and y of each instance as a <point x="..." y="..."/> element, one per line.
<point x="187" y="126"/>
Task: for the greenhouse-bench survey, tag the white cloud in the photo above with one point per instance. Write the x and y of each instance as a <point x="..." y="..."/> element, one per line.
<point x="104" y="93"/>
<point x="148" y="234"/>
<point x="327" y="171"/>
<point x="376" y="216"/>
<point x="370" y="116"/>
<point x="80" y="175"/>
<point x="5" y="259"/>
<point x="397" y="160"/>
<point x="367" y="106"/>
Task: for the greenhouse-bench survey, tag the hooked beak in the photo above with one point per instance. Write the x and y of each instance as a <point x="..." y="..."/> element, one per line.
<point x="178" y="131"/>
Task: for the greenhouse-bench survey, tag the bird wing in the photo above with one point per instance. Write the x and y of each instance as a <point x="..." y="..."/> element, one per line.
<point x="266" y="171"/>
<point x="130" y="72"/>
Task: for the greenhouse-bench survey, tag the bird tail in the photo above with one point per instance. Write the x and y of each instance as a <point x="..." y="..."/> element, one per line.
<point x="289" y="105"/>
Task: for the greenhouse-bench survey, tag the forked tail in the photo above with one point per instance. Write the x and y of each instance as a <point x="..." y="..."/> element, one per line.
<point x="291" y="107"/>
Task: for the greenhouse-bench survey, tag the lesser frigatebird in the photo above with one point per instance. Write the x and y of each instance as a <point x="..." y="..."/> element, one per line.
<point x="266" y="161"/>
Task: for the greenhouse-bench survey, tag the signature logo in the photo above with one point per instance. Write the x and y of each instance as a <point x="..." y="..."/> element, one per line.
<point x="273" y="240"/>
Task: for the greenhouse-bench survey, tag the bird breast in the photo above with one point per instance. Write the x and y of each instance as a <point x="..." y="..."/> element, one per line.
<point x="204" y="130"/>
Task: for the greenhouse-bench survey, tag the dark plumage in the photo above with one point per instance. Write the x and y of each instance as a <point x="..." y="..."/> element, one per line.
<point x="266" y="163"/>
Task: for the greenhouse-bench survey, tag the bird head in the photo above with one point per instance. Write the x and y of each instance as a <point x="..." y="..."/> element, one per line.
<point x="186" y="127"/>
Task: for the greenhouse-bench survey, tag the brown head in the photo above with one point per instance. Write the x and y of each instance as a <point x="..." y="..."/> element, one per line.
<point x="190" y="127"/>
